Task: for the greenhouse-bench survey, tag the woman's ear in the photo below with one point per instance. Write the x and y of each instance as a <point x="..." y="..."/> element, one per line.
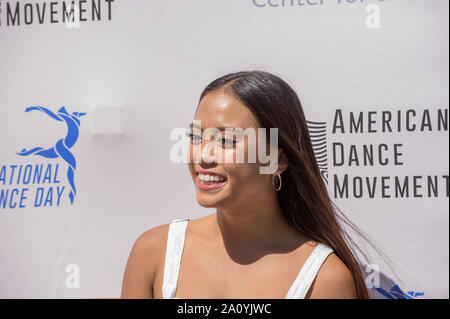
<point x="283" y="163"/>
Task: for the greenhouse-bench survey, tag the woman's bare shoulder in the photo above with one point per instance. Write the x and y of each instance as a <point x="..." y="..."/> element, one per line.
<point x="143" y="263"/>
<point x="334" y="280"/>
<point x="152" y="242"/>
<point x="154" y="235"/>
<point x="154" y="239"/>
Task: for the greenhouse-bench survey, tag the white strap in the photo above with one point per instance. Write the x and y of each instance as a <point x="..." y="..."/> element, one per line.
<point x="174" y="250"/>
<point x="308" y="272"/>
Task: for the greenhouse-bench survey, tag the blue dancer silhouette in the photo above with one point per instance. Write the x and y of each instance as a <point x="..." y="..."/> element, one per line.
<point x="397" y="293"/>
<point x="62" y="147"/>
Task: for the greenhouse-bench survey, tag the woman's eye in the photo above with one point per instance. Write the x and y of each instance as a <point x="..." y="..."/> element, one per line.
<point x="197" y="139"/>
<point x="194" y="138"/>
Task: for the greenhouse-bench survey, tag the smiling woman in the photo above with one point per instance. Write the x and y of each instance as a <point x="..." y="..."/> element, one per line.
<point x="272" y="235"/>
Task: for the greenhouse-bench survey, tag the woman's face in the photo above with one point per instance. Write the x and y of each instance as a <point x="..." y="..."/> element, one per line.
<point x="238" y="182"/>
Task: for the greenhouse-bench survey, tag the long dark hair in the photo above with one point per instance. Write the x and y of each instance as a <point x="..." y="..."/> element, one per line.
<point x="303" y="198"/>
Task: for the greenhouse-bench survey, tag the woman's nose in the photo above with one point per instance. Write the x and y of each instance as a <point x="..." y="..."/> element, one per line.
<point x="205" y="151"/>
<point x="209" y="151"/>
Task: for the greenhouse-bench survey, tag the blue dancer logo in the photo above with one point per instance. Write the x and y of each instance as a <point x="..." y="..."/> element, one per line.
<point x="397" y="293"/>
<point x="63" y="146"/>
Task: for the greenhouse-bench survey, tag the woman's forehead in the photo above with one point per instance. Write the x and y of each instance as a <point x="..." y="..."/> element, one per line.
<point x="221" y="110"/>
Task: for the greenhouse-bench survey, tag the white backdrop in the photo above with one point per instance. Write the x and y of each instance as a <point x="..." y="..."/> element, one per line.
<point x="137" y="68"/>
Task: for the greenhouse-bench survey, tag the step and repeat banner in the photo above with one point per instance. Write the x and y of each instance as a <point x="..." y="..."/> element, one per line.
<point x="90" y="92"/>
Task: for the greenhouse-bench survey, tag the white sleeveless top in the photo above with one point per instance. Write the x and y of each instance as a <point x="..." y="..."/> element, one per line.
<point x="174" y="250"/>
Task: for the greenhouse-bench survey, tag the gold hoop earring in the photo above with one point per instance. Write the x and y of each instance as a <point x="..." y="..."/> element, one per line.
<point x="279" y="186"/>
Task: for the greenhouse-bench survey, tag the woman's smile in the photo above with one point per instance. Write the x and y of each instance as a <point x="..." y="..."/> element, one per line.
<point x="207" y="186"/>
<point x="210" y="181"/>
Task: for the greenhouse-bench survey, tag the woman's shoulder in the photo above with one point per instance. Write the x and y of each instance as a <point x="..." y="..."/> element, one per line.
<point x="153" y="238"/>
<point x="156" y="237"/>
<point x="333" y="280"/>
<point x="143" y="263"/>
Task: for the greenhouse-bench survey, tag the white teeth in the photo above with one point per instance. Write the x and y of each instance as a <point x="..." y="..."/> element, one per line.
<point x="210" y="178"/>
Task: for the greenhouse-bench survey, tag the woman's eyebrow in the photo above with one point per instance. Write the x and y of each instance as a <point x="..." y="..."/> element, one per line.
<point x="219" y="128"/>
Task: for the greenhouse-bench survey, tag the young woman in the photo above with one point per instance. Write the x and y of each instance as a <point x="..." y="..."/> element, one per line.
<point x="272" y="235"/>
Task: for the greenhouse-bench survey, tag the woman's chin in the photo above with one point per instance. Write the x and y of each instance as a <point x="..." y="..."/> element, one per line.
<point x="210" y="199"/>
<point x="207" y="202"/>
